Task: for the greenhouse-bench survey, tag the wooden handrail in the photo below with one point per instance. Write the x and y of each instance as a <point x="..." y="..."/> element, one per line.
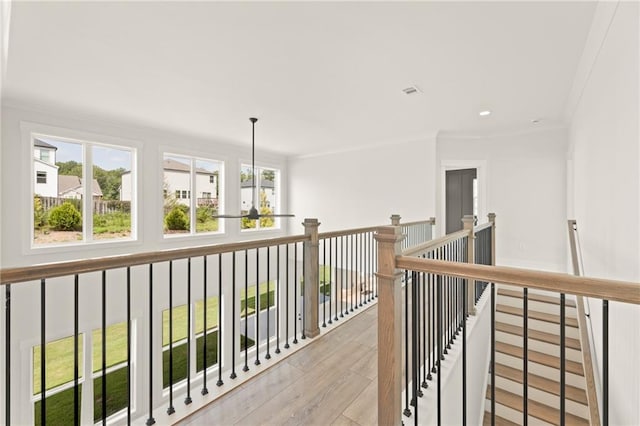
<point x="619" y="291"/>
<point x="483" y="226"/>
<point x="60" y="269"/>
<point x="434" y="244"/>
<point x="431" y="221"/>
<point x="333" y="234"/>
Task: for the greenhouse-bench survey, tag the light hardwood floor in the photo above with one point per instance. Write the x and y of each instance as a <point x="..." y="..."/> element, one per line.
<point x="332" y="381"/>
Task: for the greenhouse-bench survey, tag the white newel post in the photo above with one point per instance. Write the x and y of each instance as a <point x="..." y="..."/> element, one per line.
<point x="468" y="222"/>
<point x="389" y="326"/>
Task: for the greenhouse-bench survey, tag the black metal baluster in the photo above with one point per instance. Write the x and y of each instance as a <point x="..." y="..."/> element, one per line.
<point x="359" y="254"/>
<point x="268" y="355"/>
<point x="286" y="342"/>
<point x="246" y="312"/>
<point x="7" y="358"/>
<point x="233" y="317"/>
<point x="563" y="360"/>
<point x="464" y="351"/>
<point x="257" y="304"/>
<point x="333" y="290"/>
<point x="525" y="357"/>
<point x="295" y="293"/>
<point x="425" y="366"/>
<point x="204" y="390"/>
<point x="343" y="275"/>
<point x="605" y="363"/>
<point x="171" y="409"/>
<point x="129" y="387"/>
<point x="407" y="410"/>
<point x="415" y="344"/>
<point x="150" y="420"/>
<point x="440" y="337"/>
<point x="43" y="384"/>
<point x="429" y="367"/>
<point x="187" y="399"/>
<point x="304" y="299"/>
<point x="220" y="364"/>
<point x="278" y="295"/>
<point x="323" y="287"/>
<point x="493" y="355"/>
<point x="351" y="270"/>
<point x="104" y="347"/>
<point x="76" y="346"/>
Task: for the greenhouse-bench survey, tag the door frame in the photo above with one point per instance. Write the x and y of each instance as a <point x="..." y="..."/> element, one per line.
<point x="481" y="175"/>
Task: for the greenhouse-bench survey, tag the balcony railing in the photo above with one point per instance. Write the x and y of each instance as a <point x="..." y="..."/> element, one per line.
<point x="188" y="318"/>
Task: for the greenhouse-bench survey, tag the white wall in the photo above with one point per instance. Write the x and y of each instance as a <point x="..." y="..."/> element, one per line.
<point x="365" y="187"/>
<point x="525" y="185"/>
<point x="604" y="148"/>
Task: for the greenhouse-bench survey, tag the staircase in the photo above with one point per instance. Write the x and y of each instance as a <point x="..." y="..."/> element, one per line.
<point x="544" y="361"/>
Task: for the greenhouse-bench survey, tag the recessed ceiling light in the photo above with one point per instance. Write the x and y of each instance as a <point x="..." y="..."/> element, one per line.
<point x="411" y="90"/>
<point x="484" y="113"/>
<point x="535" y="121"/>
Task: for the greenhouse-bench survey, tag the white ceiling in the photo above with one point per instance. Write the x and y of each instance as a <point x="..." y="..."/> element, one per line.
<point x="320" y="76"/>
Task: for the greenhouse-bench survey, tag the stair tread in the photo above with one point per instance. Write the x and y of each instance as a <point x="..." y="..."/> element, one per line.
<point x="534" y="408"/>
<point x="535" y="297"/>
<point x="538" y="382"/>
<point x="538" y="335"/>
<point x="499" y="421"/>
<point x="542" y="316"/>
<point x="540" y="358"/>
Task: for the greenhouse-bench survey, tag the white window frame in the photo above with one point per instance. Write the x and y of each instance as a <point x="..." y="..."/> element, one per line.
<point x="30" y="131"/>
<point x="277" y="225"/>
<point x="193" y="201"/>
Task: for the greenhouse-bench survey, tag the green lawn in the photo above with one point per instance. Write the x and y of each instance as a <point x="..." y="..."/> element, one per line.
<point x="115" y="222"/>
<point x="116" y="394"/>
<point x="180" y="356"/>
<point x="59" y="410"/>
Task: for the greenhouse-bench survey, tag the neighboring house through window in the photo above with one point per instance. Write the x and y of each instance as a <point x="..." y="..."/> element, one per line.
<point x="191" y="194"/>
<point x="59" y="190"/>
<point x="264" y="189"/>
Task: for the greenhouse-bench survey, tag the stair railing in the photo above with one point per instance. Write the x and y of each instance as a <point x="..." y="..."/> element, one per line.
<point x="587" y="340"/>
<point x="393" y="264"/>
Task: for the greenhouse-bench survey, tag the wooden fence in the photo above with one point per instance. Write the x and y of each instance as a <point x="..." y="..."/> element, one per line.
<point x="99" y="206"/>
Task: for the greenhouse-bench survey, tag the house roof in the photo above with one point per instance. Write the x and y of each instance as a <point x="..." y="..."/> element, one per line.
<point x="179" y="166"/>
<point x="43" y="144"/>
<point x="68" y="183"/>
<point x="264" y="183"/>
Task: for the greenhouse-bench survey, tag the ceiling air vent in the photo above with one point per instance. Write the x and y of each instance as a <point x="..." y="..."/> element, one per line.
<point x="411" y="90"/>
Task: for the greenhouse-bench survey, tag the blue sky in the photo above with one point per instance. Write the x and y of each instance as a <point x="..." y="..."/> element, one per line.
<point x="103" y="156"/>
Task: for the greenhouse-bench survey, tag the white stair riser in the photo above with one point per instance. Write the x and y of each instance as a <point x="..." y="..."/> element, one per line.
<point x="538" y="346"/>
<point x="534" y="324"/>
<point x="536" y="291"/>
<point x="534" y="305"/>
<point x="513" y="415"/>
<point x="540" y="370"/>
<point x="542" y="397"/>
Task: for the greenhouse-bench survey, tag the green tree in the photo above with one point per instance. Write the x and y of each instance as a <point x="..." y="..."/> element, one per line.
<point x="70" y="168"/>
<point x="269" y="175"/>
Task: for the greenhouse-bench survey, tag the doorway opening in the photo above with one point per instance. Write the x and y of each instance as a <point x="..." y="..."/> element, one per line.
<point x="461" y="197"/>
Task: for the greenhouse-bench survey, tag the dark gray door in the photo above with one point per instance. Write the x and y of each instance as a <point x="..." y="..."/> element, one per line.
<point x="459" y="201"/>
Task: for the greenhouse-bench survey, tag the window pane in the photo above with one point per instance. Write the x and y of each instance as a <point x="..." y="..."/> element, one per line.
<point x="268" y="179"/>
<point x="111" y="192"/>
<point x="179" y="344"/>
<point x="177" y="181"/>
<point x="262" y="194"/>
<point x="58" y="364"/>
<point x="207" y="195"/>
<point x="247" y="188"/>
<point x="57" y="191"/>
<point x="117" y="380"/>
<point x="212" y="332"/>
